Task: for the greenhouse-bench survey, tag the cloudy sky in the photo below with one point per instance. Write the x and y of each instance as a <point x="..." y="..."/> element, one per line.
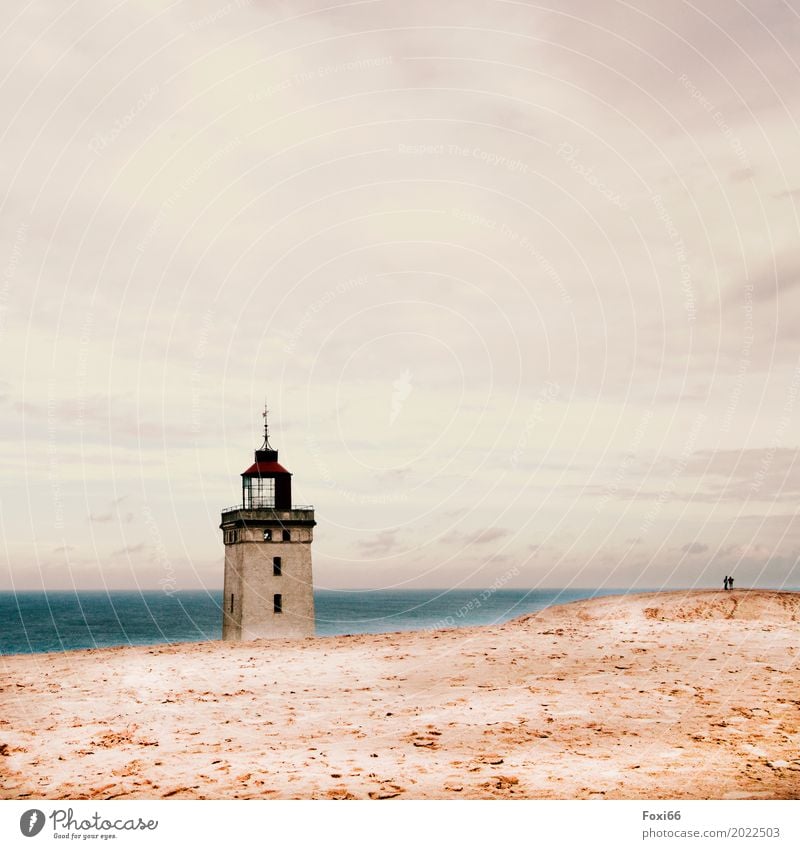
<point x="521" y="285"/>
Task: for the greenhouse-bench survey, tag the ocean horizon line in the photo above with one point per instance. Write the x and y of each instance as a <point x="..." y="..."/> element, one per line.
<point x="219" y="589"/>
<point x="36" y="621"/>
<point x="51" y="620"/>
<point x="439" y="589"/>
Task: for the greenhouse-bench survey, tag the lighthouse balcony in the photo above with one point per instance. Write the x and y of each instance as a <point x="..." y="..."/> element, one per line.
<point x="299" y="514"/>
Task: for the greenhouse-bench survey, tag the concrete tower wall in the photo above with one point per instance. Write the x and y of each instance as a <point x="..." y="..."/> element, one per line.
<point x="293" y="584"/>
<point x="232" y="593"/>
<point x="250" y="579"/>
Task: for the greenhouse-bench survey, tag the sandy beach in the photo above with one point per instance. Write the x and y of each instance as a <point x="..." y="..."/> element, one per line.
<point x="664" y="695"/>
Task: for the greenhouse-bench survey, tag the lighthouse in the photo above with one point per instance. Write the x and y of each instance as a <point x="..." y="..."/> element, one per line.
<point x="268" y="590"/>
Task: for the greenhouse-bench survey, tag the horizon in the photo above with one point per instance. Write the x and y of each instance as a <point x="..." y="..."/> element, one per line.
<point x="209" y="590"/>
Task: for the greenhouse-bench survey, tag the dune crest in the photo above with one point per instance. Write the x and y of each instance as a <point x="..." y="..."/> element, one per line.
<point x="683" y="606"/>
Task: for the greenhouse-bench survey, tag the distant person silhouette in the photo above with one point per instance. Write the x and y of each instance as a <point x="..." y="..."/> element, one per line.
<point x="730" y="582"/>
<point x="726" y="582"/>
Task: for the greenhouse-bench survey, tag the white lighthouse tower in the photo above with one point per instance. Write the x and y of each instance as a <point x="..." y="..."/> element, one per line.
<point x="268" y="590"/>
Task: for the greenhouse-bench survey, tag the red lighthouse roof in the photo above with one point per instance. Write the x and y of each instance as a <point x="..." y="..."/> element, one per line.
<point x="265" y="469"/>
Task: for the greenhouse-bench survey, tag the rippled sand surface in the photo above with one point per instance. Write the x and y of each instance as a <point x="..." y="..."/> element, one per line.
<point x="660" y="695"/>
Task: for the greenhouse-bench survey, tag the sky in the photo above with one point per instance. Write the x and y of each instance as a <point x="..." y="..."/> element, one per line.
<point x="520" y="283"/>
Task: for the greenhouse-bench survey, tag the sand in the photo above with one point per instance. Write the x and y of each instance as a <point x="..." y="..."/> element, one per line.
<point x="665" y="695"/>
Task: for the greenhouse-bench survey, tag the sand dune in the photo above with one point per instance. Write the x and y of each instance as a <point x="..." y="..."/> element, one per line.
<point x="680" y="606"/>
<point x="661" y="695"/>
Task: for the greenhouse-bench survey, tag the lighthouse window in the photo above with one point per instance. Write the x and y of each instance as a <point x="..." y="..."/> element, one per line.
<point x="230" y="536"/>
<point x="277" y="603"/>
<point x="231" y="602"/>
<point x="267" y="535"/>
<point x="276" y="566"/>
<point x="287" y="536"/>
<point x="262" y="492"/>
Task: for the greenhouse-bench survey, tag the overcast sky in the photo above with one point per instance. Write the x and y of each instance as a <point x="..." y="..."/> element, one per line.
<point x="520" y="285"/>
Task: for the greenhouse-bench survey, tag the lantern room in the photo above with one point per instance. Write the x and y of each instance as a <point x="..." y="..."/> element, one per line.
<point x="266" y="484"/>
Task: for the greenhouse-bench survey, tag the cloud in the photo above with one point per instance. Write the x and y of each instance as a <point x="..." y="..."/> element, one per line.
<point x="728" y="475"/>
<point x="490" y="535"/>
<point x="694" y="548"/>
<point x="751" y="550"/>
<point x="778" y="275"/>
<point x="392" y="477"/>
<point x="382" y="543"/>
<point x="767" y="474"/>
<point x="102" y="518"/>
<point x="129" y="549"/>
<point x="477" y="538"/>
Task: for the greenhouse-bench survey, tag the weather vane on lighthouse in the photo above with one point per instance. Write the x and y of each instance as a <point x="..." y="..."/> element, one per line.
<point x="266" y="446"/>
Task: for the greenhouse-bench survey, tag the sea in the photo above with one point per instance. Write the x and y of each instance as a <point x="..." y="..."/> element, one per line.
<point x="33" y="622"/>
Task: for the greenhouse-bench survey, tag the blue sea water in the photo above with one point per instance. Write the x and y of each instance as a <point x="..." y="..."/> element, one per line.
<point x="64" y="620"/>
